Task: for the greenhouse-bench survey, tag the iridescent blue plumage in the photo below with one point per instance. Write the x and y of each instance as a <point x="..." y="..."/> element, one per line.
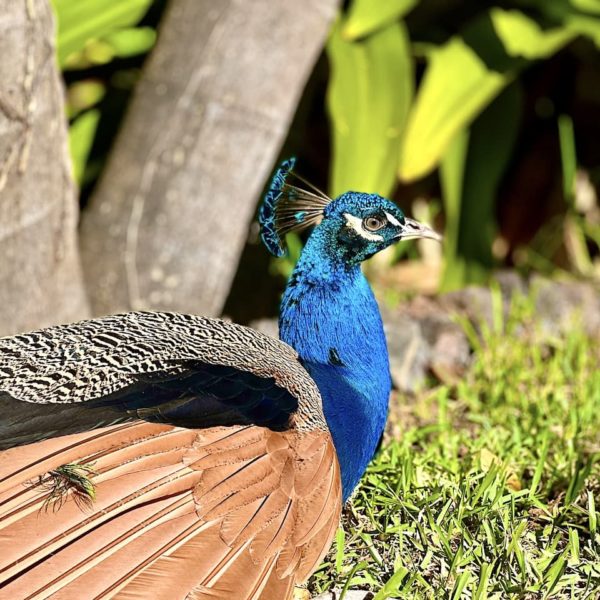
<point x="287" y="207"/>
<point x="330" y="317"/>
<point x="266" y="216"/>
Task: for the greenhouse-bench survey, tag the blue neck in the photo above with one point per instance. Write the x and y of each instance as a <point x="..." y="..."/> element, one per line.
<point x="330" y="317"/>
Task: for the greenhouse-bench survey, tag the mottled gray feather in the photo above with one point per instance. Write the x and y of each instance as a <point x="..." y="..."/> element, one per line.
<point x="75" y="364"/>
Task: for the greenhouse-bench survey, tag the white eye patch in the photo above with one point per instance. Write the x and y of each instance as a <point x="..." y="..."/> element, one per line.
<point x="355" y="223"/>
<point x="392" y="219"/>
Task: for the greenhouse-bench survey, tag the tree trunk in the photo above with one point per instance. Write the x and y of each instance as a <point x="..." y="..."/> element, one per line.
<point x="40" y="278"/>
<point x="169" y="219"/>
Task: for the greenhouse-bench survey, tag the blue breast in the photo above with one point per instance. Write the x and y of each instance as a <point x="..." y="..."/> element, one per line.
<point x="330" y="317"/>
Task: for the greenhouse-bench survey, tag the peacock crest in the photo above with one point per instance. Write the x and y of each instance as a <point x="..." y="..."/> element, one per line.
<point x="288" y="207"/>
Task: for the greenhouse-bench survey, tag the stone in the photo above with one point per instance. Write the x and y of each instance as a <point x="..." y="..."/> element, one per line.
<point x="561" y="305"/>
<point x="409" y="351"/>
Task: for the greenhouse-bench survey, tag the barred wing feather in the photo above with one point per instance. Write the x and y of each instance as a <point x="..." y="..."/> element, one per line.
<point x="240" y="510"/>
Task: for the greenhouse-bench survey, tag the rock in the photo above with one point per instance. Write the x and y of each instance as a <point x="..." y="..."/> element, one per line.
<point x="511" y="283"/>
<point x="473" y="302"/>
<point x="425" y="337"/>
<point x="561" y="305"/>
<point x="409" y="351"/>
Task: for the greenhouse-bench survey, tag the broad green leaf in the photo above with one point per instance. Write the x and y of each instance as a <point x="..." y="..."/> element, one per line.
<point x="82" y="95"/>
<point x="578" y="17"/>
<point x="452" y="171"/>
<point x="82" y="20"/>
<point x="589" y="6"/>
<point x="369" y="95"/>
<point x="456" y="86"/>
<point x="131" y="41"/>
<point x="470" y="195"/>
<point x="464" y="76"/>
<point x="521" y="36"/>
<point x="81" y="138"/>
<point x="367" y="16"/>
<point x="584" y="25"/>
<point x="121" y="43"/>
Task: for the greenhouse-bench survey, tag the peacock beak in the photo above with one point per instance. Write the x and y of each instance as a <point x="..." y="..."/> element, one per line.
<point x="412" y="229"/>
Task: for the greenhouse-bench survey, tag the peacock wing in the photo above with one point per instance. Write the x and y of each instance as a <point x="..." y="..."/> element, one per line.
<point x="162" y="367"/>
<point x="225" y="512"/>
<point x="243" y="508"/>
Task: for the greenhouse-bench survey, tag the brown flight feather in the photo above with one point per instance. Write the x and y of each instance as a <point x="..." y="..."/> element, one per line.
<point x="226" y="512"/>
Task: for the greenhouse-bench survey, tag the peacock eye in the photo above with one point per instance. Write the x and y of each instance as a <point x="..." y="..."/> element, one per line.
<point x="373" y="223"/>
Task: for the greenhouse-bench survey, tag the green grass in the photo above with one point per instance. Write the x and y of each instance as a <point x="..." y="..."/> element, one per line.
<point x="492" y="489"/>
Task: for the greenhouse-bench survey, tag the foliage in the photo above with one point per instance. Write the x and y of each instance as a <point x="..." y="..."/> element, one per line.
<point x="367" y="79"/>
<point x="92" y="33"/>
<point x="492" y="486"/>
<point x="464" y="116"/>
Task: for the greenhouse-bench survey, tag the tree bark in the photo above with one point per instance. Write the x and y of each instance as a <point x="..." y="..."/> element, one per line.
<point x="167" y="224"/>
<point x="40" y="278"/>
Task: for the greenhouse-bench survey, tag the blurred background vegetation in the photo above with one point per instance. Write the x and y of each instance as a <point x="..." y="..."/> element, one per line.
<point x="479" y="116"/>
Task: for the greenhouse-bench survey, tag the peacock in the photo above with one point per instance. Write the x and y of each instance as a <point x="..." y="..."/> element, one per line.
<point x="170" y="456"/>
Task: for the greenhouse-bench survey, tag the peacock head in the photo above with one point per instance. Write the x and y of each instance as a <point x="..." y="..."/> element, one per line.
<point x="355" y="225"/>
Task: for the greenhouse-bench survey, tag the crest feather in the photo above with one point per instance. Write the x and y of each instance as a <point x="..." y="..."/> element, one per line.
<point x="288" y="207"/>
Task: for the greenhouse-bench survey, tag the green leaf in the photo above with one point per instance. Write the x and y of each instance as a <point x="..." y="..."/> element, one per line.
<point x="473" y="224"/>
<point x="366" y="16"/>
<point x="456" y="86"/>
<point x="81" y="138"/>
<point x="484" y="578"/>
<point x="584" y="25"/>
<point x="590" y="6"/>
<point x="369" y="95"/>
<point x="566" y="136"/>
<point x="131" y="41"/>
<point x="464" y="76"/>
<point x="579" y="17"/>
<point x="82" y="95"/>
<point x="554" y="573"/>
<point x="83" y="20"/>
<point x="452" y="170"/>
<point x="460" y="584"/>
<point x="521" y="36"/>
<point x="392" y="585"/>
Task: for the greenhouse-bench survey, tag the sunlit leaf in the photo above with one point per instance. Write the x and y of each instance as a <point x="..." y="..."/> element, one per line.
<point x="579" y="17"/>
<point x="131" y="41"/>
<point x="584" y="25"/>
<point x="369" y="95"/>
<point x="82" y="20"/>
<point x="464" y="76"/>
<point x="366" y="16"/>
<point x="590" y="6"/>
<point x="81" y="138"/>
<point x="521" y="36"/>
<point x="470" y="179"/>
<point x="82" y="95"/>
<point x="457" y="85"/>
<point x="452" y="170"/>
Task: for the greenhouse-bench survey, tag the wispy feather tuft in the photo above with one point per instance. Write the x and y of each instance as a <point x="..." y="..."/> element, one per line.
<point x="288" y="207"/>
<point x="70" y="480"/>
